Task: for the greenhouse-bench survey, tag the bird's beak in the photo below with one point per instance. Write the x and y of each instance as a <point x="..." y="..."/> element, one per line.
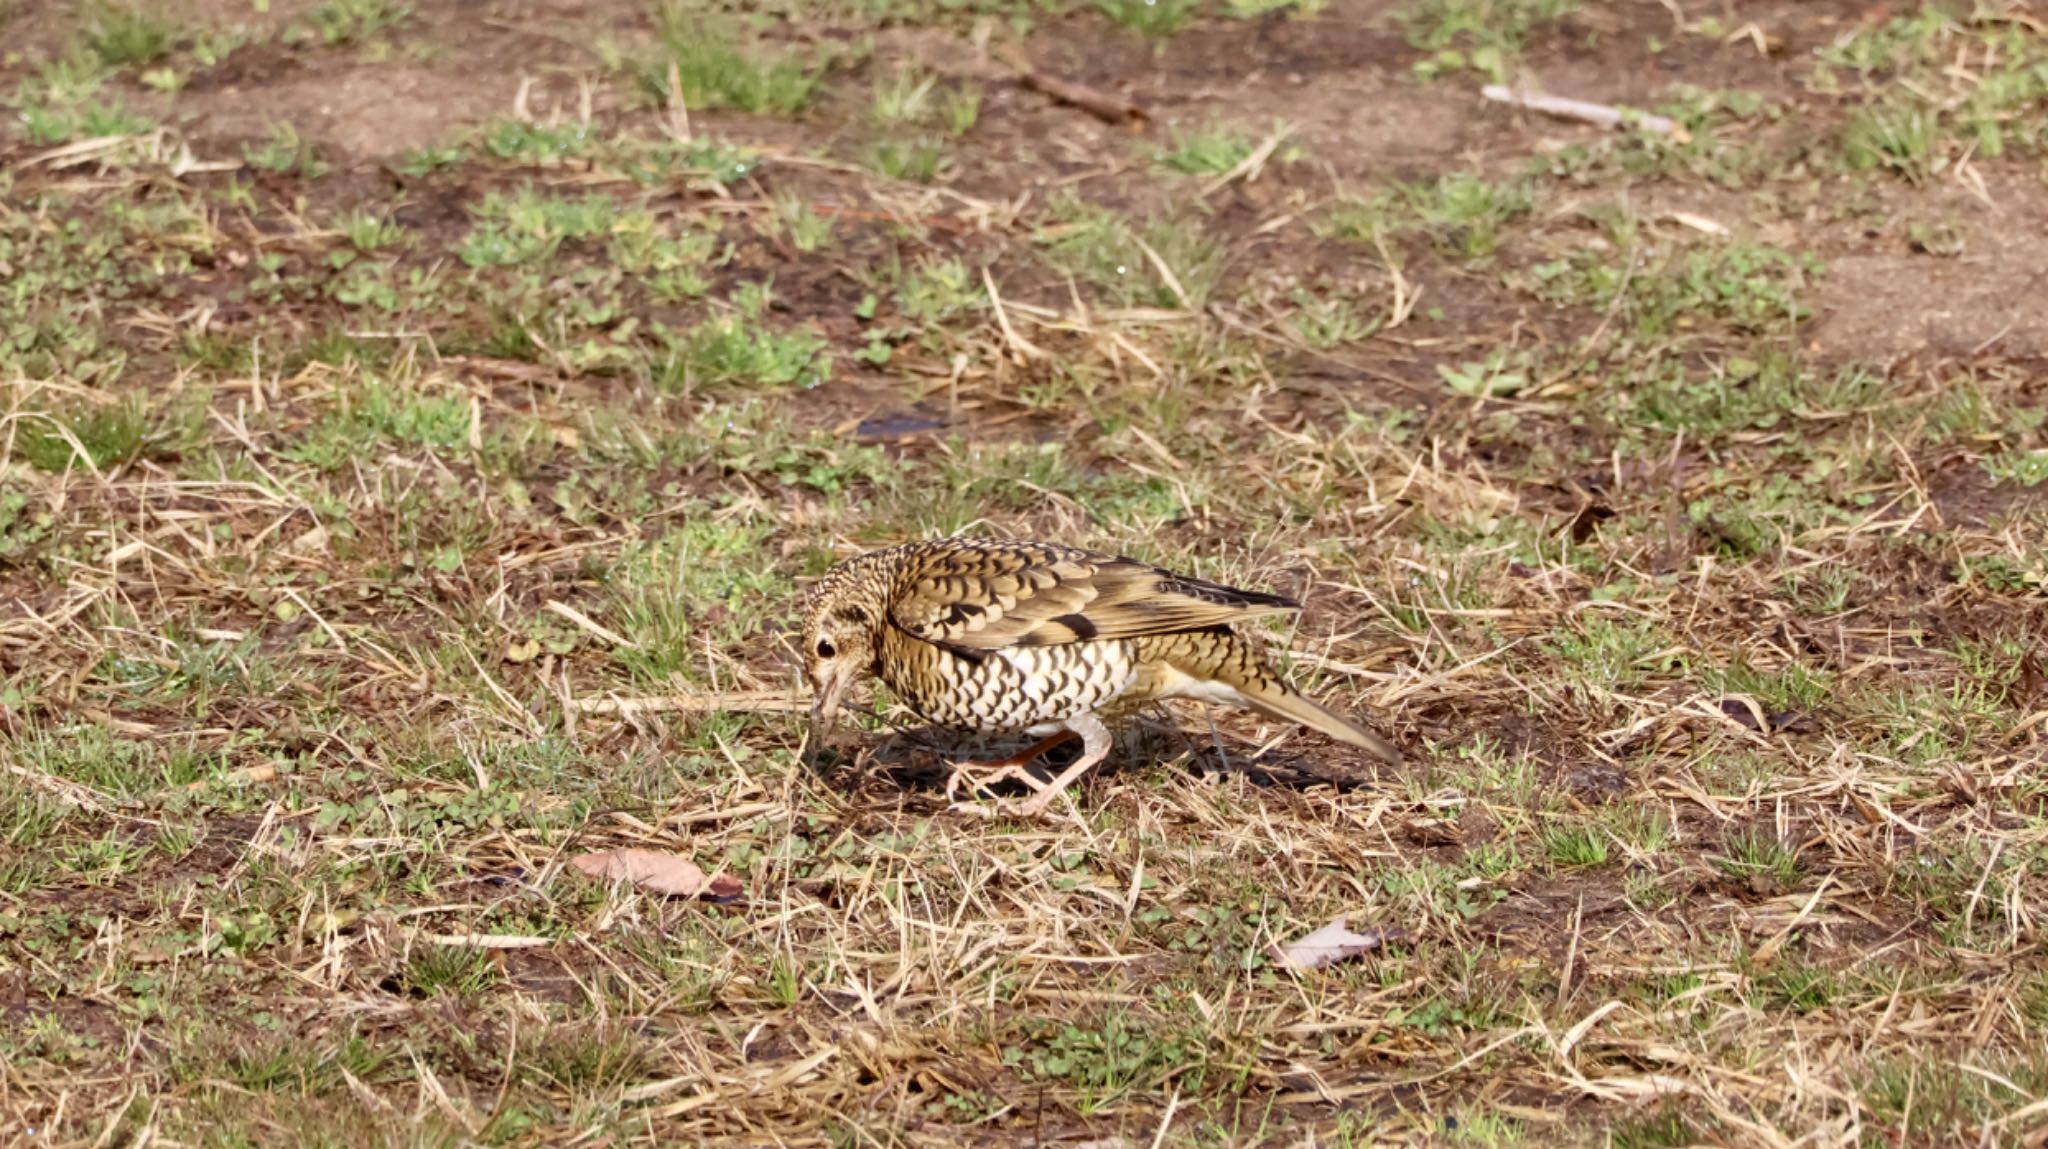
<point x="825" y="708"/>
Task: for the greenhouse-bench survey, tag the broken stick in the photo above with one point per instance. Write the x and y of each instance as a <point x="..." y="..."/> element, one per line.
<point x="1102" y="105"/>
<point x="1585" y="111"/>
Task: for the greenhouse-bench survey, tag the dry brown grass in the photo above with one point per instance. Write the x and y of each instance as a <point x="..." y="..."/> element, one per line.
<point x="359" y="577"/>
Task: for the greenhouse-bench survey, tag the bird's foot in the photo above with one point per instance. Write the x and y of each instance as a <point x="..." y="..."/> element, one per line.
<point x="964" y="774"/>
<point x="1001" y="770"/>
<point x="1041" y="799"/>
<point x="1032" y="807"/>
<point x="1093" y="735"/>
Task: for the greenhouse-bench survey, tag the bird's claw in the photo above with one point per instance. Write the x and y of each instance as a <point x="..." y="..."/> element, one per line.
<point x="963" y="771"/>
<point x="1002" y="770"/>
<point x="1032" y="807"/>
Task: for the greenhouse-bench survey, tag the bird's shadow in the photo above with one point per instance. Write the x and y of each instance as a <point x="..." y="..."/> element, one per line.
<point x="921" y="760"/>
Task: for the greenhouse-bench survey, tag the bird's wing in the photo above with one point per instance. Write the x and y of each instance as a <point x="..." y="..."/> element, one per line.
<point x="986" y="595"/>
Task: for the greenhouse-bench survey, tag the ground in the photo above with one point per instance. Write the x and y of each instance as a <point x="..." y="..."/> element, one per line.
<point x="420" y="417"/>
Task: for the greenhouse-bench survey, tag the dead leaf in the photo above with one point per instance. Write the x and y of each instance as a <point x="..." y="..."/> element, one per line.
<point x="1698" y="222"/>
<point x="247" y="775"/>
<point x="313" y="542"/>
<point x="1745" y="713"/>
<point x="1334" y="943"/>
<point x="2027" y="686"/>
<point x="659" y="872"/>
<point x="1588" y="520"/>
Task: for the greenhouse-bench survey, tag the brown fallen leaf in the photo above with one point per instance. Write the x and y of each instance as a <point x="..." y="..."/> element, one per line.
<point x="1334" y="943"/>
<point x="2027" y="685"/>
<point x="1750" y="716"/>
<point x="1588" y="520"/>
<point x="659" y="872"/>
<point x="247" y="775"/>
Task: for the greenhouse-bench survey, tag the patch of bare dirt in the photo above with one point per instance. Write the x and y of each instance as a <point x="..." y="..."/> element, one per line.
<point x="1941" y="272"/>
<point x="373" y="112"/>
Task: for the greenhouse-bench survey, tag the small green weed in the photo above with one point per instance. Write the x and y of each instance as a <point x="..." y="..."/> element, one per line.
<point x="1641" y="829"/>
<point x="1929" y="111"/>
<point x="1904" y="137"/>
<point x="1156" y="19"/>
<point x="1797" y="986"/>
<point x="529" y="142"/>
<point x="916" y="114"/>
<point x="960" y="108"/>
<point x="285" y="153"/>
<point x="1101" y="247"/>
<point x="367" y="230"/>
<point x="700" y="51"/>
<point x="1740" y="394"/>
<point x="1502" y="372"/>
<point x="2007" y="574"/>
<point x="904" y="96"/>
<point x="1429" y="889"/>
<point x="939" y="290"/>
<point x="2025" y="468"/>
<point x="1482" y="35"/>
<point x="95" y="438"/>
<point x="1210" y="150"/>
<point x="1939" y="1100"/>
<point x="918" y="159"/>
<point x="1463" y="214"/>
<point x="1748" y="287"/>
<point x="1759" y="854"/>
<point x="528" y="226"/>
<point x="1329" y="322"/>
<point x="455" y="971"/>
<point x="383" y="413"/>
<point x="1574" y="844"/>
<point x="1608" y="651"/>
<point x="1483" y="1130"/>
<point x="1493" y="860"/>
<point x="93" y="756"/>
<point x="57" y="124"/>
<point x="593" y="1057"/>
<point x="807" y="230"/>
<point x="65" y="101"/>
<point x="663" y="590"/>
<point x="1895" y="44"/>
<point x="1791" y="687"/>
<point x="1106" y="1062"/>
<point x="128" y="34"/>
<point x="343" y="22"/>
<point x="664" y="256"/>
<point x="420" y="163"/>
<point x="739" y="348"/>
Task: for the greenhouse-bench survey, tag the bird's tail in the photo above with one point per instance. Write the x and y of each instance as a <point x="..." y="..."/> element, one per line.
<point x="1281" y="701"/>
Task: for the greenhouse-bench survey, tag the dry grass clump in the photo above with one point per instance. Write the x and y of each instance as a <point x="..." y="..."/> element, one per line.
<point x="382" y="532"/>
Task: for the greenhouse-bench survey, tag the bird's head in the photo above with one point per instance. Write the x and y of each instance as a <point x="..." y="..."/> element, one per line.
<point x="841" y="613"/>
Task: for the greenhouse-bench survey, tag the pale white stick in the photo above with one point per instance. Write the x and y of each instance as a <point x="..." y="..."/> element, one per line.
<point x="1604" y="115"/>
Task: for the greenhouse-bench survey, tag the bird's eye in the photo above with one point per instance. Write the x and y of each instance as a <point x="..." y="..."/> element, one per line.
<point x="825" y="649"/>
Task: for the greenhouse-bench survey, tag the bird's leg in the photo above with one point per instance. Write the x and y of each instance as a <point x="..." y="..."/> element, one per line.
<point x="1005" y="768"/>
<point x="1095" y="743"/>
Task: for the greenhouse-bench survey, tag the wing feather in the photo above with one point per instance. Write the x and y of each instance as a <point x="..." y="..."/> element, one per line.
<point x="980" y="595"/>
